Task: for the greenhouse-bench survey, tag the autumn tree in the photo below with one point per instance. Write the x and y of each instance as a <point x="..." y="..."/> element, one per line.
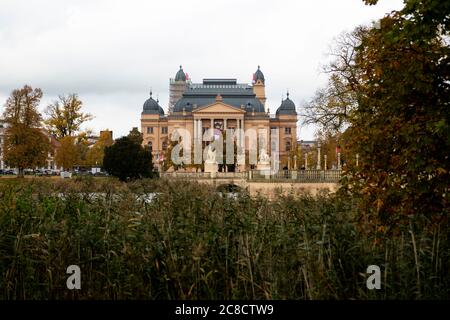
<point x="66" y="155"/>
<point x="82" y="144"/>
<point x="96" y="152"/>
<point x="330" y="144"/>
<point x="399" y="122"/>
<point x="65" y="116"/>
<point x="401" y="126"/>
<point x="25" y="144"/>
<point x="332" y="106"/>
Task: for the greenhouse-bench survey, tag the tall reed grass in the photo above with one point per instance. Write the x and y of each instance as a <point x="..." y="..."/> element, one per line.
<point x="191" y="242"/>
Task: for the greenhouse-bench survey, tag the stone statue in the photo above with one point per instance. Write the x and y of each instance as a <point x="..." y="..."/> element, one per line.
<point x="211" y="158"/>
<point x="211" y="165"/>
<point x="263" y="156"/>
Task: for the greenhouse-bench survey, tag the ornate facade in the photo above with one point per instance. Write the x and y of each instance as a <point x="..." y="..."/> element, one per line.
<point x="219" y="104"/>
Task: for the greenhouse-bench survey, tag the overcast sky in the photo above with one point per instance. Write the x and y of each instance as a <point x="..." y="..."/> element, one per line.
<point x="111" y="52"/>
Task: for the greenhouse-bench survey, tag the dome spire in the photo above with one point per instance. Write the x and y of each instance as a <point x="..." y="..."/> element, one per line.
<point x="258" y="75"/>
<point x="180" y="76"/>
<point x="287" y="106"/>
<point x="151" y="106"/>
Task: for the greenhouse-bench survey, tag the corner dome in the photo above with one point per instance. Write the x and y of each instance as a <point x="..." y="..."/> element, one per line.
<point x="287" y="107"/>
<point x="180" y="76"/>
<point x="152" y="107"/>
<point x="258" y="76"/>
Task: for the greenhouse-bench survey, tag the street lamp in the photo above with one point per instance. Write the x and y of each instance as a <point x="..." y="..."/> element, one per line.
<point x="318" y="156"/>
<point x="306" y="160"/>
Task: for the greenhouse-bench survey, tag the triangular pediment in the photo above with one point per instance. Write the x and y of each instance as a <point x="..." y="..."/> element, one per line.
<point x="218" y="107"/>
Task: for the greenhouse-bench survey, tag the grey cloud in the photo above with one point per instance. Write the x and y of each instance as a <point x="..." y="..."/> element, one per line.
<point x="112" y="52"/>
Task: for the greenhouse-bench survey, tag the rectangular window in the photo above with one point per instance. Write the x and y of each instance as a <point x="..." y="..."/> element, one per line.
<point x="149" y="130"/>
<point x="164" y="130"/>
<point x="287" y="130"/>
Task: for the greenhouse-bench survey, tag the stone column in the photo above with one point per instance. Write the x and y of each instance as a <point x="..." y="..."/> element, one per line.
<point x="225" y="124"/>
<point x="238" y="137"/>
<point x="197" y="141"/>
<point x="357" y="159"/>
<point x="212" y="127"/>
<point x="242" y="134"/>
<point x="195" y="130"/>
<point x="325" y="160"/>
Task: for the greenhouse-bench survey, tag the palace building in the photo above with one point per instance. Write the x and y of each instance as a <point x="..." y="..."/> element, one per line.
<point x="219" y="104"/>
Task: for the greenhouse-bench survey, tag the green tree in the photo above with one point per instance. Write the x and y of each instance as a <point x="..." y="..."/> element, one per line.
<point x="25" y="144"/>
<point x="126" y="160"/>
<point x="135" y="136"/>
<point x="65" y="116"/>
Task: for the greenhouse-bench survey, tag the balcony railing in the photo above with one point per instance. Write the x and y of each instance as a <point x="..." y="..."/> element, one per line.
<point x="300" y="176"/>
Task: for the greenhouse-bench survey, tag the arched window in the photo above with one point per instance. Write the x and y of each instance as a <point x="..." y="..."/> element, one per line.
<point x="150" y="146"/>
<point x="288" y="146"/>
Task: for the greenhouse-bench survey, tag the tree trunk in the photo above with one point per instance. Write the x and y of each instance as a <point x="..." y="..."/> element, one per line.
<point x="20" y="173"/>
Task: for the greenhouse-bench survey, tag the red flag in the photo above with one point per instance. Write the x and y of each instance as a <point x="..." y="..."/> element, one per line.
<point x="187" y="76"/>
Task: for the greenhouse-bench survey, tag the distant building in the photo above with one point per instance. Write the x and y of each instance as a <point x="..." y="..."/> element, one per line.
<point x="306" y="145"/>
<point x="218" y="104"/>
<point x="93" y="138"/>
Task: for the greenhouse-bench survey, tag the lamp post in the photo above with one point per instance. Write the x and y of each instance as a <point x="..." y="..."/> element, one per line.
<point x="339" y="161"/>
<point x="306" y="160"/>
<point x="318" y="156"/>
